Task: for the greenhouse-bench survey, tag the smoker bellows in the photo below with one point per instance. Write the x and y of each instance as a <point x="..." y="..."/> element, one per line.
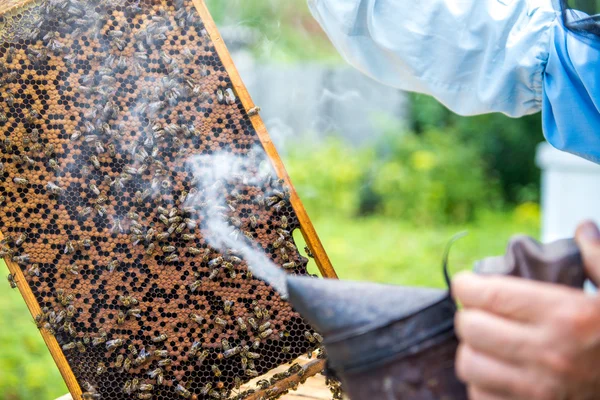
<point x="101" y="104"/>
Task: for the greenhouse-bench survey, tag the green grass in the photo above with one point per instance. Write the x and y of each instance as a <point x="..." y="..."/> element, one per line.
<point x="27" y="370"/>
<point x="375" y="249"/>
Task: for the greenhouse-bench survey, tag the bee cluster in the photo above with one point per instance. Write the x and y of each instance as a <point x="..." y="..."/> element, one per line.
<point x="101" y="103"/>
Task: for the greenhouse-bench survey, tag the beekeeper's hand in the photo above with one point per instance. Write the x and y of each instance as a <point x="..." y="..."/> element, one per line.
<point x="524" y="340"/>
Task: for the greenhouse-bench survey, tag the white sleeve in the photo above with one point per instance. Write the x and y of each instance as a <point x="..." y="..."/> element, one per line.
<point x="474" y="56"/>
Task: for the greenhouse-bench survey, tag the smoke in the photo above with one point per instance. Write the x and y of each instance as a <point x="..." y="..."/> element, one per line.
<point x="215" y="174"/>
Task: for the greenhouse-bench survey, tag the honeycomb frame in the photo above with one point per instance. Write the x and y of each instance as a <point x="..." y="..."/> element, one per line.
<point x="255" y="123"/>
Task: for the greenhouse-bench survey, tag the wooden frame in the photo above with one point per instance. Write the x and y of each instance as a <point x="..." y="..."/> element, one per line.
<point x="306" y="226"/>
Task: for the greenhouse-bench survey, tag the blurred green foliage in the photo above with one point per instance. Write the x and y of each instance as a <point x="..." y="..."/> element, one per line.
<point x="506" y="145"/>
<point x="287" y="32"/>
<point x="27" y="370"/>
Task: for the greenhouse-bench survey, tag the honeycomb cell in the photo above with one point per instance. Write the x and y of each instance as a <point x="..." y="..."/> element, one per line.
<point x="102" y="106"/>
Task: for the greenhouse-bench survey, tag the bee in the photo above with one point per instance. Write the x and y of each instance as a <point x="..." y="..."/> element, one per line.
<point x="20" y="181"/>
<point x="121" y="318"/>
<point x="160" y="338"/>
<point x="53" y="188"/>
<point x="161" y="353"/>
<point x="216" y="370"/>
<point x="289" y="265"/>
<point x="229" y="96"/>
<point x="69" y="346"/>
<point x="132" y="215"/>
<point x="265" y="334"/>
<point x="264" y="326"/>
<point x="253" y="323"/>
<point x="49" y="150"/>
<point x="114" y="344"/>
<point x="168" y="249"/>
<point x="163" y="236"/>
<point x="206" y="388"/>
<point x="85" y="211"/>
<point x="165" y="362"/>
<point x="318" y="337"/>
<point x="99" y="339"/>
<point x="197" y="318"/>
<point x="145" y="387"/>
<point x="135" y="312"/>
<point x="119" y="361"/>
<point x="127" y="364"/>
<point x="128" y="301"/>
<point x="22" y="259"/>
<point x="182" y="391"/>
<point x="72" y="269"/>
<point x="241" y="323"/>
<point x="172" y="258"/>
<point x="215" y="262"/>
<point x="94" y="189"/>
<point x="144" y="395"/>
<point x="220" y="321"/>
<point x="194" y="251"/>
<point x="227" y="304"/>
<point x="150" y="250"/>
<point x="188" y="236"/>
<point x="112" y="266"/>
<point x="155" y="372"/>
<point x="194" y="349"/>
<point x="100" y="368"/>
<point x="111" y="150"/>
<point x="251" y="372"/>
<point x="90" y="396"/>
<point x="253" y="111"/>
<point x="232" y="352"/>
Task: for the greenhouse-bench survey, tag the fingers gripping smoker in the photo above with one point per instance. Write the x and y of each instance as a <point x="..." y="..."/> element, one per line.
<point x="393" y="342"/>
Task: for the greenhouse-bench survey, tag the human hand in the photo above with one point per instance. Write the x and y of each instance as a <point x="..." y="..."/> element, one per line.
<point x="525" y="340"/>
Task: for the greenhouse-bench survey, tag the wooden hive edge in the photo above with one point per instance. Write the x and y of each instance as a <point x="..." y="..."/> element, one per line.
<point x="308" y="231"/>
<point x="6" y="6"/>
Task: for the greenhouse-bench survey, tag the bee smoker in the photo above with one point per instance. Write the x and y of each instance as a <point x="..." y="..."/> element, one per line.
<point x="392" y="342"/>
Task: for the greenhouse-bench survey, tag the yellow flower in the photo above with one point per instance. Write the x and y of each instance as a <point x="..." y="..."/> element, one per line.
<point x="423" y="160"/>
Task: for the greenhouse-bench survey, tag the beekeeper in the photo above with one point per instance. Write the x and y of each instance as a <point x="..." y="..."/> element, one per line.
<point x="520" y="339"/>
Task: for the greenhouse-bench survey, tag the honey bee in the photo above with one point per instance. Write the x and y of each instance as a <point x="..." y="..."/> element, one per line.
<point x="163" y="236"/>
<point x="100" y="368"/>
<point x="85" y="211"/>
<point x="23" y="259"/>
<point x="165" y="362"/>
<point x="132" y="350"/>
<point x="98" y="340"/>
<point x="72" y="269"/>
<point x="251" y="372"/>
<point x="227" y="304"/>
<point x="220" y="321"/>
<point x="264" y="326"/>
<point x="197" y="318"/>
<point x="145" y="387"/>
<point x="182" y="391"/>
<point x="155" y="372"/>
<point x="160" y="338"/>
<point x="232" y="352"/>
<point x="121" y="318"/>
<point x="172" y="258"/>
<point x="150" y="250"/>
<point x="144" y="395"/>
<point x="134" y="312"/>
<point x="253" y="323"/>
<point x="216" y="370"/>
<point x="194" y="349"/>
<point x="230" y="98"/>
<point x="188" y="236"/>
<point x="161" y="353"/>
<point x="286" y="349"/>
<point x="114" y="344"/>
<point x="90" y="396"/>
<point x="215" y="262"/>
<point x="53" y="164"/>
<point x="318" y="337"/>
<point x="111" y="150"/>
<point x="168" y="249"/>
<point x="265" y="334"/>
<point x="95" y="161"/>
<point x="253" y="111"/>
<point x="194" y="251"/>
<point x="127" y="364"/>
<point x="94" y="189"/>
<point x="20" y="181"/>
<point x="278" y="242"/>
<point x="112" y="266"/>
<point x="49" y="150"/>
<point x="241" y="323"/>
<point x="128" y="301"/>
<point x="119" y="361"/>
<point x="309" y="337"/>
<point x="206" y="388"/>
<point x="289" y="265"/>
<point x="69" y="346"/>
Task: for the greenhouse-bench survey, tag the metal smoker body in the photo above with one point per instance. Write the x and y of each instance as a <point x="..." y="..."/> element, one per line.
<point x="391" y="342"/>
